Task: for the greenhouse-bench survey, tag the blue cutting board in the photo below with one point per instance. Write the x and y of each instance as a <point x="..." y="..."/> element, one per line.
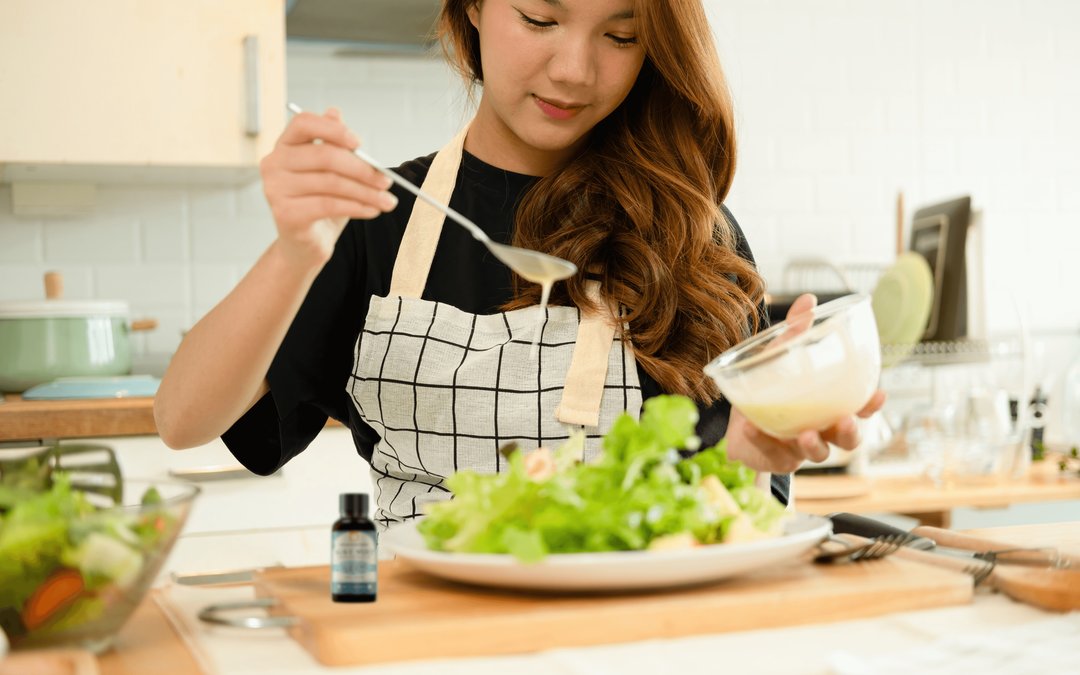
<point x="128" y="386"/>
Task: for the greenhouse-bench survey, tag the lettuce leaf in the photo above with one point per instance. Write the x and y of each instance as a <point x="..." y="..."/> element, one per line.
<point x="638" y="490"/>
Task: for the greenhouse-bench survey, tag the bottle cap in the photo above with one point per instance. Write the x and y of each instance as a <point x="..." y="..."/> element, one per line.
<point x="354" y="504"/>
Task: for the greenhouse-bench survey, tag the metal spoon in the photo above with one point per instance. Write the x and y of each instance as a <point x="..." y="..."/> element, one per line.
<point x="539" y="268"/>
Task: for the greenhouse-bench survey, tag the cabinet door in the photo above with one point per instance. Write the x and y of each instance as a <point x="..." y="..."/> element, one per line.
<point x="139" y="83"/>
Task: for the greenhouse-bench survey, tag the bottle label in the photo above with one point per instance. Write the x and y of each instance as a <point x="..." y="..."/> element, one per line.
<point x="353" y="563"/>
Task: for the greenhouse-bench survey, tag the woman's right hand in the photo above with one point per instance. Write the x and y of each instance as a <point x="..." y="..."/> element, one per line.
<point x="315" y="184"/>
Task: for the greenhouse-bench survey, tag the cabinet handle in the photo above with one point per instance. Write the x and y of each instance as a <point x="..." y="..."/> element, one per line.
<point x="252" y="124"/>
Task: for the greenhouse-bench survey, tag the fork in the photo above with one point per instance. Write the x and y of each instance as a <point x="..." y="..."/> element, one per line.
<point x="979" y="569"/>
<point x="878" y="547"/>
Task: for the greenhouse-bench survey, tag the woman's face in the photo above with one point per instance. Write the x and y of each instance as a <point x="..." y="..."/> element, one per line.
<point x="552" y="70"/>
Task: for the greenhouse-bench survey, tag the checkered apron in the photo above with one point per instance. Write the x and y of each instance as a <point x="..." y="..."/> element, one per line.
<point x="445" y="389"/>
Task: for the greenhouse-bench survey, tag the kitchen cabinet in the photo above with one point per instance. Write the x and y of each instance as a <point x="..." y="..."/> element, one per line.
<point x="135" y="90"/>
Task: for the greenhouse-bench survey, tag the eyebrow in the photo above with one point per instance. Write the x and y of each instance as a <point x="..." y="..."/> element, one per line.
<point x="625" y="14"/>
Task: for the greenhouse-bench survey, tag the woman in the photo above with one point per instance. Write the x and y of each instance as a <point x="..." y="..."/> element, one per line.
<point x="604" y="136"/>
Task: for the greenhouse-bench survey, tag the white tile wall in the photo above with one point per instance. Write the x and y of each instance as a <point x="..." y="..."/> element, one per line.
<point x="840" y="104"/>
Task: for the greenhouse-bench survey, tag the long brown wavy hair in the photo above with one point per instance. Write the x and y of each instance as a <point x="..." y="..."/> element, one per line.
<point x="639" y="207"/>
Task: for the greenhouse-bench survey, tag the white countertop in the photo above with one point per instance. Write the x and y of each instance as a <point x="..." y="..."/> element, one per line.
<point x="304" y="493"/>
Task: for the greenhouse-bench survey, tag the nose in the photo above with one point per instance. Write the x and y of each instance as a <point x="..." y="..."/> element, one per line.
<point x="574" y="61"/>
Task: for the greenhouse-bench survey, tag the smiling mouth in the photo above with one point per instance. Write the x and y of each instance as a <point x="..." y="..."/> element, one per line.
<point x="560" y="104"/>
<point x="557" y="110"/>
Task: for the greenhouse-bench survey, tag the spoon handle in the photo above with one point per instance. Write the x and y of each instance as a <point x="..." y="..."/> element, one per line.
<point x="469" y="225"/>
<point x="420" y="194"/>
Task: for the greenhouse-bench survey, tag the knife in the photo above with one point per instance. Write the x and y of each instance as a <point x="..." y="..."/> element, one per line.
<point x="963" y="545"/>
<point x="1003" y="552"/>
<point x="849" y="523"/>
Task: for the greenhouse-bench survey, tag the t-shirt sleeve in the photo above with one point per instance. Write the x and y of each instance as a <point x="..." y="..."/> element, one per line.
<point x="309" y="373"/>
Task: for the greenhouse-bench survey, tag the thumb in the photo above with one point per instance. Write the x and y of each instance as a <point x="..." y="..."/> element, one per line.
<point x="804" y="303"/>
<point x="800" y="316"/>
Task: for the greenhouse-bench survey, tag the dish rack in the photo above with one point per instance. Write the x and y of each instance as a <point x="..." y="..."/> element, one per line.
<point x="820" y="275"/>
<point x="954" y="352"/>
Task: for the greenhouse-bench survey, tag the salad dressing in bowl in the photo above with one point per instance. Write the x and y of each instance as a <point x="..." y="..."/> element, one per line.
<point x="791" y="378"/>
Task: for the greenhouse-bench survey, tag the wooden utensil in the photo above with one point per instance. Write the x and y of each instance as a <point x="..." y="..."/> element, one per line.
<point x="461" y="621"/>
<point x="1054" y="589"/>
<point x="968" y="542"/>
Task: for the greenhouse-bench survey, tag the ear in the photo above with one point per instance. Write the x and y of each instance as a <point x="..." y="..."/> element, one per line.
<point x="474" y="14"/>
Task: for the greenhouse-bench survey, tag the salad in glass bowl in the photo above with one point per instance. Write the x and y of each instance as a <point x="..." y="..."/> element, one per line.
<point x="74" y="564"/>
<point x="652" y="488"/>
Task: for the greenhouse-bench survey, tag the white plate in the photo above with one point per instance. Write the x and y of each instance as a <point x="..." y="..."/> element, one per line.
<point x="615" y="571"/>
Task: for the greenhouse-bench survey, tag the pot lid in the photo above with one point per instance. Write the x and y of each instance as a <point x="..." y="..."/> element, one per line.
<point x="53" y="309"/>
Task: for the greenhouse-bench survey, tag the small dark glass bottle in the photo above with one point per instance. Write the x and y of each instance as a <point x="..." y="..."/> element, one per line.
<point x="354" y="559"/>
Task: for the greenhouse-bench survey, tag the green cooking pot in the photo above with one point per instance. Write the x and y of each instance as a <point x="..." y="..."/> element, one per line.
<point x="43" y="340"/>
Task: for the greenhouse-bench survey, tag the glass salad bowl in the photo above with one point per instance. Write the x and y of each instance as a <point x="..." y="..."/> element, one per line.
<point x="74" y="566"/>
<point x="804" y="373"/>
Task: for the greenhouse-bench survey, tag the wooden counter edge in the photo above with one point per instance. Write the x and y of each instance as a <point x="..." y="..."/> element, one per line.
<point x="1042" y="484"/>
<point x="82" y="418"/>
<point x="33" y="420"/>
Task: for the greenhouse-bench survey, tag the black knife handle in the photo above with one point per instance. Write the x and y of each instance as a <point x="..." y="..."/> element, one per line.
<point x="849" y="523"/>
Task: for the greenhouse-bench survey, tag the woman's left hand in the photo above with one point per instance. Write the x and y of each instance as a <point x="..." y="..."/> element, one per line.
<point x="763" y="452"/>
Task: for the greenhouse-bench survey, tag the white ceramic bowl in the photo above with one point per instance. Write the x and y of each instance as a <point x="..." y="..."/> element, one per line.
<point x="805" y="375"/>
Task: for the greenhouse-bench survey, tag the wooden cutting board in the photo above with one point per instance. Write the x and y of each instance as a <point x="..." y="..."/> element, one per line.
<point x="419" y="617"/>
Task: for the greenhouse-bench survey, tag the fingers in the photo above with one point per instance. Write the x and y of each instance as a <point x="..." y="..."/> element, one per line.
<point x="876" y="402"/>
<point x="310" y="209"/>
<point x="331" y="184"/>
<point x="782" y="456"/>
<point x="323" y="157"/>
<point x="312" y="174"/>
<point x="844" y="433"/>
<point x="307" y="127"/>
<point x="803" y="304"/>
<point x="812" y="446"/>
<point x="800" y="316"/>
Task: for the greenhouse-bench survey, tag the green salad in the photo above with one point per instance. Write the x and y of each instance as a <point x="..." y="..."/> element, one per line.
<point x="640" y="493"/>
<point x="64" y="561"/>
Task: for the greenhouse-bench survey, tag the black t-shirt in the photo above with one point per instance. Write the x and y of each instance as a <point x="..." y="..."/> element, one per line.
<point x="309" y="373"/>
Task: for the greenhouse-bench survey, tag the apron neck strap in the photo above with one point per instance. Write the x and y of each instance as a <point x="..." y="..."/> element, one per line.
<point x="584" y="386"/>
<point x="425" y="223"/>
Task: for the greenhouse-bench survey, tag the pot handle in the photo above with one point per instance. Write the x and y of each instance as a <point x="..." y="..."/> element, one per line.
<point x="54" y="285"/>
<point x="144" y="324"/>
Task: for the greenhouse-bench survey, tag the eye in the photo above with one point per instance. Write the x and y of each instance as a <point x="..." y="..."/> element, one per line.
<point x="622" y="41"/>
<point x="535" y="23"/>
